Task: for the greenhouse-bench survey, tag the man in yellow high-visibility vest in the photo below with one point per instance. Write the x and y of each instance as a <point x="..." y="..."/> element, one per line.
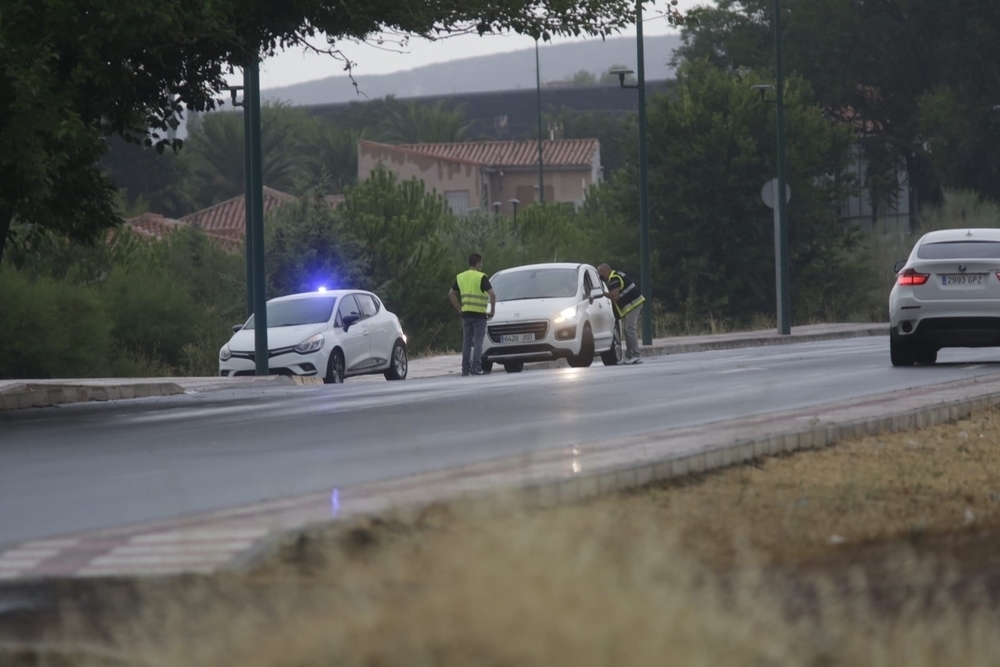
<point x="470" y="294"/>
<point x="627" y="299"/>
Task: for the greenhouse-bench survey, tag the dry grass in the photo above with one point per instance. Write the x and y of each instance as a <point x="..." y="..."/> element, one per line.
<point x="696" y="573"/>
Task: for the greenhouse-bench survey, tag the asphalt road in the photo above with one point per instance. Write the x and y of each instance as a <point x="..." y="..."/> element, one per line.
<point x="96" y="465"/>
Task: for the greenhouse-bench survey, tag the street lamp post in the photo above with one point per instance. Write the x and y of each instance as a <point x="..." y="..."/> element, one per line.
<point x="784" y="281"/>
<point x="645" y="272"/>
<point x="538" y="87"/>
<point x="254" y="202"/>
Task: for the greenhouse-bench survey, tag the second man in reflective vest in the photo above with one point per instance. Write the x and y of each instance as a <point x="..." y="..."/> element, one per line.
<point x="628" y="300"/>
<point x="470" y="295"/>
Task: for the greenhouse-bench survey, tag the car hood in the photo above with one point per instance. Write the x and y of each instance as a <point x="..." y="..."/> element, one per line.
<point x="533" y="309"/>
<point x="277" y="337"/>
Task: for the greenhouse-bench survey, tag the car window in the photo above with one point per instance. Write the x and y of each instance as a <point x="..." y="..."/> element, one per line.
<point x="960" y="250"/>
<point x="588" y="283"/>
<point x="520" y="284"/>
<point x="348" y="306"/>
<point x="295" y="312"/>
<point x="368" y="307"/>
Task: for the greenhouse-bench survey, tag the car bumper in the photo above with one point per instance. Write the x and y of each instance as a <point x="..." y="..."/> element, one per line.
<point x="561" y="341"/>
<point x="944" y="323"/>
<point x="304" y="365"/>
<point x="942" y="332"/>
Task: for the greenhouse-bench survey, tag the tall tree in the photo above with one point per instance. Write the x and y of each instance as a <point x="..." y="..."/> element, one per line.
<point x="74" y="73"/>
<point x="919" y="79"/>
<point x="711" y="149"/>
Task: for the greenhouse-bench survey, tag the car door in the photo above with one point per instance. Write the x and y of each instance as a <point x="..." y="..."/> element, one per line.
<point x="379" y="326"/>
<point x="602" y="317"/>
<point x="356" y="340"/>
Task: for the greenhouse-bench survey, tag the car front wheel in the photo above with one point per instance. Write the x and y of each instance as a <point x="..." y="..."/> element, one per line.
<point x="399" y="362"/>
<point x="613" y="356"/>
<point x="513" y="366"/>
<point x="586" y="356"/>
<point x="335" y="368"/>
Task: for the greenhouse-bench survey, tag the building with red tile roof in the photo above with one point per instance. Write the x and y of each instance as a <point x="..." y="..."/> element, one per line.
<point x="472" y="175"/>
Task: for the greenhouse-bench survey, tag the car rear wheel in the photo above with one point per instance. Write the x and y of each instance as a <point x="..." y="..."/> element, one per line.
<point x="613" y="357"/>
<point x="901" y="354"/>
<point x="335" y="368"/>
<point x="586" y="356"/>
<point x="513" y="366"/>
<point x="399" y="363"/>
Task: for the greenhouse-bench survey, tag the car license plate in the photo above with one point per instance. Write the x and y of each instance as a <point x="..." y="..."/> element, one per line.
<point x="963" y="279"/>
<point x="518" y="338"/>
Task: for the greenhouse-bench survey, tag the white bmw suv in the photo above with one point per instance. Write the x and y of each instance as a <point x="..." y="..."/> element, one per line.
<point x="333" y="335"/>
<point x="947" y="294"/>
<point x="551" y="311"/>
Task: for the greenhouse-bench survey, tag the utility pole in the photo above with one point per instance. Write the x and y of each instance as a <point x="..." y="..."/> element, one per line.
<point x="255" y="207"/>
<point x="644" y="251"/>
<point x="538" y="84"/>
<point x="784" y="281"/>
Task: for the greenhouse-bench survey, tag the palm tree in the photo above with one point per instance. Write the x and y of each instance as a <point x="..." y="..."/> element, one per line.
<point x="414" y="123"/>
<point x="214" y="152"/>
<point x="334" y="158"/>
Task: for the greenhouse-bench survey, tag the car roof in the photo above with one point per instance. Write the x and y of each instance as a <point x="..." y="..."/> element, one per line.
<point x="313" y="295"/>
<point x="548" y="265"/>
<point x="962" y="234"/>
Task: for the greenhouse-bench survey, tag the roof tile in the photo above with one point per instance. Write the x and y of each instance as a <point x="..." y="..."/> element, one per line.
<point x="557" y="153"/>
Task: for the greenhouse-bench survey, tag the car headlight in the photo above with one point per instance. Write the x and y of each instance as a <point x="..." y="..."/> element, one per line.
<point x="310" y="344"/>
<point x="225" y="354"/>
<point x="567" y="314"/>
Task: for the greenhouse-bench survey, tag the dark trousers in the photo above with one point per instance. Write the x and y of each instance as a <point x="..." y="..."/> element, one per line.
<point x="474" y="330"/>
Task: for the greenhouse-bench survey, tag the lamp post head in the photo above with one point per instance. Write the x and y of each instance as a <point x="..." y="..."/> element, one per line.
<point x="622" y="73"/>
<point x="232" y="94"/>
<point x="496" y="206"/>
<point x="996" y="108"/>
<point x="762" y="88"/>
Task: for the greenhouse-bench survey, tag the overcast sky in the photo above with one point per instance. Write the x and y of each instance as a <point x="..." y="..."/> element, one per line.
<point x="294" y="66"/>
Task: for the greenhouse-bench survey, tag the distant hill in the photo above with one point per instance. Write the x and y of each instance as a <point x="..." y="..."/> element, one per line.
<point x="507" y="71"/>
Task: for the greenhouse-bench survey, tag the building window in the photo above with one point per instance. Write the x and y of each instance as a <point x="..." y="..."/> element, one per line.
<point x="458" y="201"/>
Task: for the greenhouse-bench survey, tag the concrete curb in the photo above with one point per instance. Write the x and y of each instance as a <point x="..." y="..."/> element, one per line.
<point x="40" y="395"/>
<point x="43" y="395"/>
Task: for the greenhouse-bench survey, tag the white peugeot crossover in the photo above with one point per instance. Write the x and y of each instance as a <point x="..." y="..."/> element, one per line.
<point x="333" y="335"/>
<point x="551" y="311"/>
<point x="947" y="294"/>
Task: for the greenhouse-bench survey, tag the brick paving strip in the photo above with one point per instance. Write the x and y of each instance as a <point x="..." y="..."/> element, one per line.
<point x="238" y="537"/>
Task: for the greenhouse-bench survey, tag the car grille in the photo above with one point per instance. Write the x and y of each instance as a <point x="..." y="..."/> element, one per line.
<point x="539" y="328"/>
<point x="252" y="356"/>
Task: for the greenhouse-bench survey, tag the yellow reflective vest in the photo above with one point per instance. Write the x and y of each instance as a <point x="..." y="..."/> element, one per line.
<point x="629" y="297"/>
<point x="474" y="299"/>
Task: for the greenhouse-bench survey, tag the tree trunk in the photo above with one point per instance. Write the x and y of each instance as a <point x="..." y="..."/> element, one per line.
<point x="6" y="216"/>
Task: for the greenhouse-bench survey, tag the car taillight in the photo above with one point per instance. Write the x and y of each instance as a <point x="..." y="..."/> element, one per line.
<point x="911" y="277"/>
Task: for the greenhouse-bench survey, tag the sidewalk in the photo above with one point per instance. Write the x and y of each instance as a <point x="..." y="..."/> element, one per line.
<point x="15" y="394"/>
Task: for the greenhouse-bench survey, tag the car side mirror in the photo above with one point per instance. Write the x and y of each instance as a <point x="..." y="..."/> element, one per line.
<point x="596" y="293"/>
<point x="350" y="321"/>
<point x="898" y="266"/>
<point x="237" y="327"/>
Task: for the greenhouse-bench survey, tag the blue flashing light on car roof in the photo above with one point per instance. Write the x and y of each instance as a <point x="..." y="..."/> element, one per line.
<point x="321" y="288"/>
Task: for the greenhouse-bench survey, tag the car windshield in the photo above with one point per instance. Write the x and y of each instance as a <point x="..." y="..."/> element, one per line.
<point x="960" y="250"/>
<point x="535" y="284"/>
<point x="297" y="311"/>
